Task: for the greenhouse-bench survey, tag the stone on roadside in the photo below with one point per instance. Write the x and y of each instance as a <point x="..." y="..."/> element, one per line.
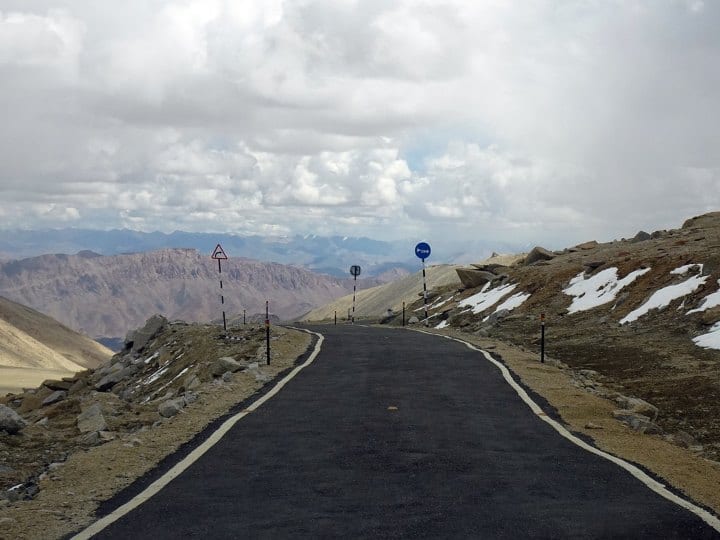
<point x="192" y="382"/>
<point x="638" y="405"/>
<point x="10" y="421"/>
<point x="171" y="407"/>
<point x="225" y="363"/>
<point x="638" y="422"/>
<point x="413" y="320"/>
<point x="91" y="419"/>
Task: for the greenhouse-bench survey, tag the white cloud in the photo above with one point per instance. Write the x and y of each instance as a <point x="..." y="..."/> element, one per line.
<point x="533" y="122"/>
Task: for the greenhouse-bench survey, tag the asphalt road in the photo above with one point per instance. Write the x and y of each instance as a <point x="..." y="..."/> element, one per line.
<point x="396" y="434"/>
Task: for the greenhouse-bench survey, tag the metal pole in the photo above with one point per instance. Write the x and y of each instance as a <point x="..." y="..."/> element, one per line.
<point x="222" y="297"/>
<point x="403" y="313"/>
<point x="354" y="287"/>
<point x="267" y="331"/>
<point x="542" y="338"/>
<point x="335" y="317"/>
<point x="424" y="292"/>
<point x="243" y="317"/>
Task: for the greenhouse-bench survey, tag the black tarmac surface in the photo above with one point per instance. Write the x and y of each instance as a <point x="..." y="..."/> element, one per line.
<point x="396" y="434"/>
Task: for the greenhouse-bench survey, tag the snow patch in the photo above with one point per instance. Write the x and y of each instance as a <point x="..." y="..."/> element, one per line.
<point x="711" y="340"/>
<point x="684" y="269"/>
<point x="662" y="297"/>
<point x="153" y="357"/>
<point x="599" y="289"/>
<point x="443" y="324"/>
<point x="485" y="299"/>
<point x="710" y="301"/>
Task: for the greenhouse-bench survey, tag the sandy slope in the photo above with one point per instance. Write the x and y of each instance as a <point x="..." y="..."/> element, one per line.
<point x="34" y="348"/>
<point x="375" y="302"/>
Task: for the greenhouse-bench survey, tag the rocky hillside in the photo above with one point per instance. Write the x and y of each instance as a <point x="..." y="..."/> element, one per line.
<point x="107" y="296"/>
<point x="635" y="318"/>
<point x="77" y="440"/>
<point x="34" y="347"/>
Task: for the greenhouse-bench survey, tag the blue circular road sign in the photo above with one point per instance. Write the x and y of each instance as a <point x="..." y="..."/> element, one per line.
<point x="422" y="250"/>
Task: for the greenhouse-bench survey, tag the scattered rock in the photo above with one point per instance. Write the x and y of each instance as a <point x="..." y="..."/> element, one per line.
<point x="638" y="422"/>
<point x="587" y="245"/>
<point x="226" y="363"/>
<point x="413" y="320"/>
<point x="58" y="385"/>
<point x="170" y="408"/>
<point x="91" y="419"/>
<point x="57" y="395"/>
<point x="590" y="425"/>
<point x="227" y="376"/>
<point x="138" y="339"/>
<point x="192" y="382"/>
<point x="10" y="421"/>
<point x="538" y="254"/>
<point x="638" y="405"/>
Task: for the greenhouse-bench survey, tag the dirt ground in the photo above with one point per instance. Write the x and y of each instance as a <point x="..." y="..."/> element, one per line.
<point x="70" y="494"/>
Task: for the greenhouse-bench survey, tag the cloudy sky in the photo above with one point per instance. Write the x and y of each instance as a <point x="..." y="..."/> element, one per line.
<point x="533" y="121"/>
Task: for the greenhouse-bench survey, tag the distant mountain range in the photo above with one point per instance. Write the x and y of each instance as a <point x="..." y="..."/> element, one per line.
<point x="107" y="296"/>
<point x="332" y="255"/>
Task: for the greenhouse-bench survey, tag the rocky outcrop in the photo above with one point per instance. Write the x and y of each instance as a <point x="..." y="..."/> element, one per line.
<point x="538" y="254"/>
<point x="137" y="340"/>
<point x="91" y="420"/>
<point x="10" y="421"/>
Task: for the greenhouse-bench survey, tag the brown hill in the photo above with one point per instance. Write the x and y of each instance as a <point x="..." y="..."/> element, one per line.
<point x="108" y="296"/>
<point x="35" y="347"/>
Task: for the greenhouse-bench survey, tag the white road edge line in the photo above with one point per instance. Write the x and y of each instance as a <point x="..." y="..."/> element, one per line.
<point x="654" y="485"/>
<point x="193" y="456"/>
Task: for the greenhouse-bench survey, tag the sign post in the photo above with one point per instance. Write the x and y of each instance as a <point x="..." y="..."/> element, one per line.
<point x="355" y="272"/>
<point x="219" y="255"/>
<point x="267" y="330"/>
<point x="542" y="338"/>
<point x="403" y="314"/>
<point x="422" y="251"/>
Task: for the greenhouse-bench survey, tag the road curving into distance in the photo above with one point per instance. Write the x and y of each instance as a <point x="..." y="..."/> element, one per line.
<point x="391" y="433"/>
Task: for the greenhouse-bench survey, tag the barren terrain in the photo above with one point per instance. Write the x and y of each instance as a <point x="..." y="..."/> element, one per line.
<point x="61" y="474"/>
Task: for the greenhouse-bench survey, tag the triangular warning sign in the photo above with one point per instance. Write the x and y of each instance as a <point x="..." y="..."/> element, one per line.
<point x="219" y="253"/>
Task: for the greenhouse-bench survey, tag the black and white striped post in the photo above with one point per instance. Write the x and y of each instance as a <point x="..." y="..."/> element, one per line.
<point x="422" y="251"/>
<point x="355" y="272"/>
<point x="219" y="255"/>
<point x="267" y="330"/>
<point x="542" y="338"/>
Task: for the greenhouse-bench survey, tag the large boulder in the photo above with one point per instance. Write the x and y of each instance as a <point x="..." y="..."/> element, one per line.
<point x="638" y="406"/>
<point x="226" y="363"/>
<point x="10" y="421"/>
<point x="473" y="277"/>
<point x="91" y="419"/>
<point x="538" y="254"/>
<point x="171" y="407"/>
<point x="138" y="339"/>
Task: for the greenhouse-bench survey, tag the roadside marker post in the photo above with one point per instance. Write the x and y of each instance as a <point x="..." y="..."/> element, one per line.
<point x="355" y="272"/>
<point x="335" y="317"/>
<point x="267" y="330"/>
<point x="243" y="317"/>
<point x="542" y="338"/>
<point x="403" y="313"/>
<point x="219" y="255"/>
<point x="422" y="251"/>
